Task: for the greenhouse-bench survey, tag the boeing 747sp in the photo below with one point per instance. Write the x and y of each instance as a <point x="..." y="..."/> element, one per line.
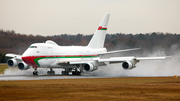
<point x="75" y="59"/>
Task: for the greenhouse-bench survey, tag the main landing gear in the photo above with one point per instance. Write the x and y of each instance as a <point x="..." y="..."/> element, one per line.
<point x="73" y="73"/>
<point x="67" y="70"/>
<point x="76" y="73"/>
<point x="51" y="72"/>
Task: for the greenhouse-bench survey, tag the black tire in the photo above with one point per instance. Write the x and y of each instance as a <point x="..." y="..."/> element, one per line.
<point x="35" y="73"/>
<point x="62" y="72"/>
<point x="73" y="73"/>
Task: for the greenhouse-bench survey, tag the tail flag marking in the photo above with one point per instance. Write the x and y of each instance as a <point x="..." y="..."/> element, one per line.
<point x="102" y="28"/>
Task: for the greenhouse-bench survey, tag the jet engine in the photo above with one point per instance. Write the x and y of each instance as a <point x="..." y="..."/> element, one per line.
<point x="12" y="63"/>
<point x="23" y="66"/>
<point x="90" y="67"/>
<point x="128" y="65"/>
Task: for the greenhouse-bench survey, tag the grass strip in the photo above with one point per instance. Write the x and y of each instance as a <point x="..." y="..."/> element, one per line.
<point x="101" y="89"/>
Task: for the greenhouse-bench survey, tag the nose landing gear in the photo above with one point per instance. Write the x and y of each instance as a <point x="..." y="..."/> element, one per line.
<point x="35" y="71"/>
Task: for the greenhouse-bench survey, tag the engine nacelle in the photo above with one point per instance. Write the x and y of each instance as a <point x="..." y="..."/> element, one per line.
<point x="12" y="63"/>
<point x="128" y="65"/>
<point x="23" y="66"/>
<point x="89" y="67"/>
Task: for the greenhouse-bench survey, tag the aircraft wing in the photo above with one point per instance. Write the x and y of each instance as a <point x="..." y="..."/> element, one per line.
<point x="125" y="50"/>
<point x="151" y="58"/>
<point x="119" y="59"/>
<point x="14" y="56"/>
<point x="79" y="62"/>
<point x="116" y="59"/>
<point x="124" y="59"/>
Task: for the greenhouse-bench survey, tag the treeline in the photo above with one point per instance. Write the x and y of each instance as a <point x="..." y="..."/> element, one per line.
<point x="12" y="42"/>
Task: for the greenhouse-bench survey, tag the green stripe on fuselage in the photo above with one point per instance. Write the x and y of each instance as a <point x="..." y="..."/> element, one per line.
<point x="37" y="59"/>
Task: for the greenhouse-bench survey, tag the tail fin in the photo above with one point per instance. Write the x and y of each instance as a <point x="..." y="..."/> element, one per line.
<point x="98" y="38"/>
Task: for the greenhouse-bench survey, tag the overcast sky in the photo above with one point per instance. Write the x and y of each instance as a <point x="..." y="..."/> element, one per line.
<point x="53" y="17"/>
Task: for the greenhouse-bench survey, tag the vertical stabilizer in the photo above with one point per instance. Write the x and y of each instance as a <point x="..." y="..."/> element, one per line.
<point x="98" y="38"/>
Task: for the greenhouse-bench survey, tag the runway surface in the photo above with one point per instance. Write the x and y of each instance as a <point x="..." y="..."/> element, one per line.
<point x="42" y="77"/>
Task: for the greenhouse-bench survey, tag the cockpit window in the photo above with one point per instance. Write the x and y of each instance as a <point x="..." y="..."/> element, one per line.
<point x="33" y="47"/>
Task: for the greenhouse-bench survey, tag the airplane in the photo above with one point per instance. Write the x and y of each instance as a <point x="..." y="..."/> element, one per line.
<point x="73" y="59"/>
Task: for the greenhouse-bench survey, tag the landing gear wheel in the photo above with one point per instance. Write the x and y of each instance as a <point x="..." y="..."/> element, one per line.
<point x="65" y="73"/>
<point x="50" y="72"/>
<point x="35" y="73"/>
<point x="76" y="73"/>
<point x="73" y="72"/>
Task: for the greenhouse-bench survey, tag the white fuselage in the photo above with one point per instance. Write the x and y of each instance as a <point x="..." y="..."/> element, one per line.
<point x="49" y="55"/>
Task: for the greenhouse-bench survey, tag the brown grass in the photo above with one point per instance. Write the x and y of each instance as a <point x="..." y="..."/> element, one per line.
<point x="2" y="68"/>
<point x="110" y="89"/>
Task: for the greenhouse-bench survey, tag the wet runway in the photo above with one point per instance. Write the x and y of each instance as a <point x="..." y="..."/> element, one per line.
<point x="42" y="77"/>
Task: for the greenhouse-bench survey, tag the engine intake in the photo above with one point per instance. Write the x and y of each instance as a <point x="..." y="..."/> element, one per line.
<point x="23" y="66"/>
<point x="90" y="67"/>
<point x="128" y="65"/>
<point x="12" y="63"/>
